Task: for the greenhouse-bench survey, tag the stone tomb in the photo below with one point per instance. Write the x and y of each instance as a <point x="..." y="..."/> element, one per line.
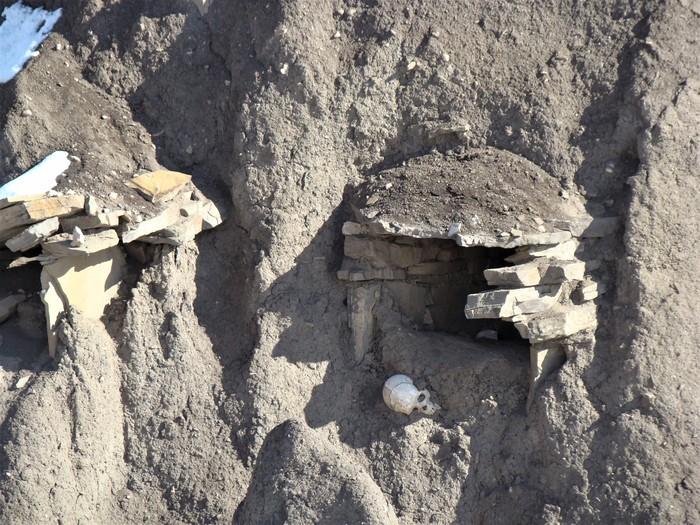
<point x="484" y="244"/>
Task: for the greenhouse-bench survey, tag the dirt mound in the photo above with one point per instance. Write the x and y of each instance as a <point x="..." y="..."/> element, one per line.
<point x="172" y="409"/>
<point x="301" y="478"/>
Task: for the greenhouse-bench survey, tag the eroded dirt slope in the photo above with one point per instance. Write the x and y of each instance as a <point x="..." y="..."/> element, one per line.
<point x="161" y="415"/>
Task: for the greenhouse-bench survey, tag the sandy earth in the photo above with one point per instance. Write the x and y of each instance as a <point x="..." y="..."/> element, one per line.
<point x="221" y="386"/>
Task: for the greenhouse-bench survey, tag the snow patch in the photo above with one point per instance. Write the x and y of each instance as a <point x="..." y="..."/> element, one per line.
<point x="21" y="33"/>
<point x="40" y="179"/>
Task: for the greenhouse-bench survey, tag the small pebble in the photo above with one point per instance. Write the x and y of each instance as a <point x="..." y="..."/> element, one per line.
<point x="22" y="381"/>
<point x="610" y="167"/>
<point x="27" y="113"/>
<point x="411" y="65"/>
<point x="104" y="117"/>
<point x="59" y="47"/>
<point x="227" y="82"/>
<point x="189" y="149"/>
<point x="564" y="194"/>
<point x="113" y="195"/>
<point x="284" y="69"/>
<point x="336" y="35"/>
<point x="538" y="221"/>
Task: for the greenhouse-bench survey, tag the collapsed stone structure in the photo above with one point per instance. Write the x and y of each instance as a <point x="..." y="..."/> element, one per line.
<point x="464" y="243"/>
<point x="81" y="239"/>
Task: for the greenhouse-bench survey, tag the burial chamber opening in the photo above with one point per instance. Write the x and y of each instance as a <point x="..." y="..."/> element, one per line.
<point x="434" y="291"/>
<point x="427" y="280"/>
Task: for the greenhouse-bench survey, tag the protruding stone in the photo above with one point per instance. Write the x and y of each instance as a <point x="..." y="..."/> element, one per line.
<point x="514" y="276"/>
<point x="370" y="274"/>
<point x="354" y="228"/>
<point x="588" y="226"/>
<point x="589" y="290"/>
<point x="22" y="381"/>
<point x="545" y="358"/>
<point x="534" y="273"/>
<point x="565" y="251"/>
<point x="77" y="238"/>
<point x="33" y="235"/>
<point x="561" y="271"/>
<point x="92" y="222"/>
<point x="557" y="325"/>
<point x="14" y="199"/>
<point x="161" y="185"/>
<point x="361" y="301"/>
<point x="496" y="304"/>
<point x="85" y="282"/>
<point x="61" y="245"/>
<point x="167" y="218"/>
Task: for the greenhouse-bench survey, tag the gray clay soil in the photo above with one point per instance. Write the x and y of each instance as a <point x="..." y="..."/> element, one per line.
<point x="221" y="386"/>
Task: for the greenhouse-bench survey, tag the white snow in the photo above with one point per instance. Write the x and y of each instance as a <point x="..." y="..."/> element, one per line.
<point x="40" y="179"/>
<point x="21" y="33"/>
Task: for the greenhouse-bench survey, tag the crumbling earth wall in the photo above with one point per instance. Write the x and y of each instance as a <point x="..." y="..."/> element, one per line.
<point x="282" y="105"/>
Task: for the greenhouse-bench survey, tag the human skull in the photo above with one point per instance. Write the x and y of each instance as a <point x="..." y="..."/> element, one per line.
<point x="401" y="395"/>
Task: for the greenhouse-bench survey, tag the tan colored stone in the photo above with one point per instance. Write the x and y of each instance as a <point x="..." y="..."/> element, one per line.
<point x="61" y="245"/>
<point x="562" y="271"/>
<point x="85" y="282"/>
<point x="24" y="213"/>
<point x="354" y="228"/>
<point x="361" y="301"/>
<point x="564" y="251"/>
<point x="558" y="324"/>
<point x="370" y="274"/>
<point x="507" y="303"/>
<point x="514" y="276"/>
<point x="33" y="235"/>
<point x="588" y="226"/>
<point x="9" y="201"/>
<point x="194" y="220"/>
<point x="92" y="222"/>
<point x="545" y="358"/>
<point x="60" y="206"/>
<point x="167" y="218"/>
<point x="160" y="186"/>
<point x="211" y="216"/>
<point x="21" y="261"/>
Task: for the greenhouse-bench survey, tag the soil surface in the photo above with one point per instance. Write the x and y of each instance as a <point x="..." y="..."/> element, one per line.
<point x="486" y="190"/>
<point x="221" y="385"/>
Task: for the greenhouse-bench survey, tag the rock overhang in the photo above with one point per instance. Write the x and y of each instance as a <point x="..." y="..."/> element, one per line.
<point x="485" y="197"/>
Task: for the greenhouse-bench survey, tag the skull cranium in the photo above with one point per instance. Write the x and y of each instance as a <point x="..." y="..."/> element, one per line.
<point x="401" y="395"/>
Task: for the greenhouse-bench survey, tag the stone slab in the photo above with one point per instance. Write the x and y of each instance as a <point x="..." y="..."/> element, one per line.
<point x="85" y="282"/>
<point x="32" y="236"/>
<point x="508" y="303"/>
<point x="521" y="275"/>
<point x="558" y="325"/>
<point x="160" y="186"/>
<point x="588" y="227"/>
<point x="92" y="222"/>
<point x="61" y="245"/>
<point x="165" y="219"/>
<point x="14" y="199"/>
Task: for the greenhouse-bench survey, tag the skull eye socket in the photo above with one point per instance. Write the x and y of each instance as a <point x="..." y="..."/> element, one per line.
<point x="421" y="398"/>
